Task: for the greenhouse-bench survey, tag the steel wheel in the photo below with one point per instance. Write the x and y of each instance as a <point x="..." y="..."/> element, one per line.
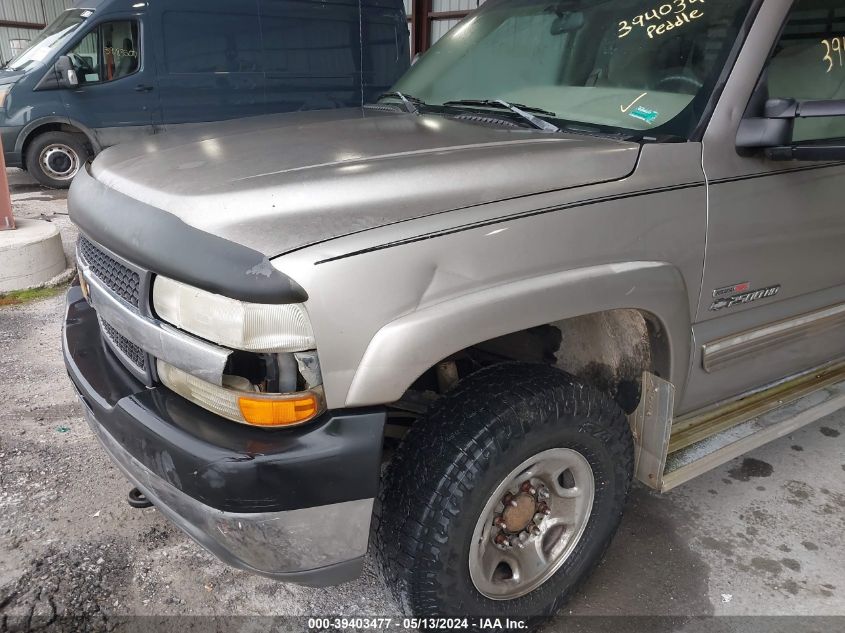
<point x="531" y="524"/>
<point x="59" y="161"/>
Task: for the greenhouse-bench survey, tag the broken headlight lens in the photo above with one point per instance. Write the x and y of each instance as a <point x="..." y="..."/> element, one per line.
<point x="237" y="400"/>
<point x="252" y="327"/>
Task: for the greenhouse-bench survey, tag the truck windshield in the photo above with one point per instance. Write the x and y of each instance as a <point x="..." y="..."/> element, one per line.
<point x="50" y="38"/>
<point x="625" y="66"/>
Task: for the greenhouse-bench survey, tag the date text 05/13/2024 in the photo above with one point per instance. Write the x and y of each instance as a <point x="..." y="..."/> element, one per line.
<point x="364" y="623"/>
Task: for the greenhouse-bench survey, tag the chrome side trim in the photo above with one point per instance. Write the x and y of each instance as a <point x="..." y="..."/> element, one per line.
<point x="276" y="544"/>
<point x="198" y="358"/>
<point x="723" y="352"/>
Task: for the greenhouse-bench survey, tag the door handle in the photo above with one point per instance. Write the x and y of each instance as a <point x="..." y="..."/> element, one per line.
<point x="143" y="88"/>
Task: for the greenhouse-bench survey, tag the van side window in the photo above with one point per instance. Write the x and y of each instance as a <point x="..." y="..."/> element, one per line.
<point x="808" y="63"/>
<point x="200" y="42"/>
<point x="109" y="52"/>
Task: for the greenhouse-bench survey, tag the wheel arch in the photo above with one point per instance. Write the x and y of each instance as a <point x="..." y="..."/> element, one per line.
<point x="53" y="124"/>
<point x="605" y="298"/>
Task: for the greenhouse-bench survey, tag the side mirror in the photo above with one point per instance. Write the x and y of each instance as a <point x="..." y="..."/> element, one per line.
<point x="66" y="73"/>
<point x="773" y="131"/>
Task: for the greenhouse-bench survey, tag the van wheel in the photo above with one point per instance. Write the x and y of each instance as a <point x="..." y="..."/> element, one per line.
<point x="505" y="496"/>
<point x="54" y="158"/>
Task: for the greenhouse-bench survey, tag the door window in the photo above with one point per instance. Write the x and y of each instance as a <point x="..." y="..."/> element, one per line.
<point x="111" y="51"/>
<point x="808" y="63"/>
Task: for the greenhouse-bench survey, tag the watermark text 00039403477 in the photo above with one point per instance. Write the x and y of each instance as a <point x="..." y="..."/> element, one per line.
<point x="562" y="623"/>
<point x="417" y="624"/>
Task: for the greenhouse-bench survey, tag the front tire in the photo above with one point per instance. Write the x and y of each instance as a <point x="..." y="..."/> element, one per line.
<point x="475" y="518"/>
<point x="54" y="158"/>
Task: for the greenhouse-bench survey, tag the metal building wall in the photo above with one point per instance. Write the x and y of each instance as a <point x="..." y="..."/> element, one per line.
<point x="439" y="27"/>
<point x="431" y="19"/>
<point x="23" y="19"/>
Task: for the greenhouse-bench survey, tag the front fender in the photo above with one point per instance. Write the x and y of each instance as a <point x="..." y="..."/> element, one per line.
<point x="406" y="347"/>
<point x="32" y="127"/>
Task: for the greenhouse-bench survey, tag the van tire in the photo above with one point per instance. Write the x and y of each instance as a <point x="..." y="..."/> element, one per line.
<point x="54" y="158"/>
<point x="439" y="484"/>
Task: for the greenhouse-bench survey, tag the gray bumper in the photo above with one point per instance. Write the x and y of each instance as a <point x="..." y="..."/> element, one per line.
<point x="317" y="546"/>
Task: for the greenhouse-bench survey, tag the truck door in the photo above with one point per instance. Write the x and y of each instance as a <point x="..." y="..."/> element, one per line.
<point x="117" y="95"/>
<point x="773" y="290"/>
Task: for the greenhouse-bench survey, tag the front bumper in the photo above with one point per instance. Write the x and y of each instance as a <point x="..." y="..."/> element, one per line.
<point x="291" y="504"/>
<point x="9" y="137"/>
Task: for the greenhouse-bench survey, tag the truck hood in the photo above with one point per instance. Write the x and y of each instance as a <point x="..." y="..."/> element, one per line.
<point x="281" y="182"/>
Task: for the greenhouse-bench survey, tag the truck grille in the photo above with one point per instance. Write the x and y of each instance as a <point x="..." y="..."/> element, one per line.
<point x="122" y="281"/>
<point x="134" y="353"/>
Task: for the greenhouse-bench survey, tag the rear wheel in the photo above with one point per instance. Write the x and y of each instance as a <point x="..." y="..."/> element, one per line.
<point x="504" y="498"/>
<point x="54" y="158"/>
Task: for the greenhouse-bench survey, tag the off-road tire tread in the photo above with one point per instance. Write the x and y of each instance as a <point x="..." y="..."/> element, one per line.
<point x="440" y="458"/>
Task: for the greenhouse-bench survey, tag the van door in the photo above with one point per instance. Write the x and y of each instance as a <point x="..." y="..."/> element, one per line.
<point x="117" y="95"/>
<point x="386" y="46"/>
<point x="773" y="296"/>
<point x="312" y="54"/>
<point x="210" y="65"/>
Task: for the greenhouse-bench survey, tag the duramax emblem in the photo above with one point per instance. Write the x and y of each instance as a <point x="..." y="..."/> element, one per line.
<point x="744" y="296"/>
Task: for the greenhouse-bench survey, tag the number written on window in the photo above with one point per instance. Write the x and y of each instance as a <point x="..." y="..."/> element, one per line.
<point x="667" y="16"/>
<point x="833" y="49"/>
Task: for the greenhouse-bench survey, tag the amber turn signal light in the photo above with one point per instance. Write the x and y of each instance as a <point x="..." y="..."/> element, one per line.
<point x="269" y="412"/>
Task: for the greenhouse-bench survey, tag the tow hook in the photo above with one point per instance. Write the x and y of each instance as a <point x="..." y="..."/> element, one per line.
<point x="137" y="499"/>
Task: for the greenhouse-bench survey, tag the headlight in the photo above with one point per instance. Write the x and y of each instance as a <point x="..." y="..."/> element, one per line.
<point x="251" y="327"/>
<point x="235" y="401"/>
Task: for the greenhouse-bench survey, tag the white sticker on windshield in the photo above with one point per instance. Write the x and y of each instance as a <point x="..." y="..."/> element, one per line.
<point x="87" y="14"/>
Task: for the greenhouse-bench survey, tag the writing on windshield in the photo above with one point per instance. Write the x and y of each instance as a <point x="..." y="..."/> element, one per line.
<point x="663" y="18"/>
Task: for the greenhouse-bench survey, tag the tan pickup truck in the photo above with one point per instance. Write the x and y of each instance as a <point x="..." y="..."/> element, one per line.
<point x="578" y="243"/>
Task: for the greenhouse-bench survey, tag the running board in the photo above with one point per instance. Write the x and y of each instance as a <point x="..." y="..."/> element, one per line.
<point x="669" y="454"/>
<point x="787" y="408"/>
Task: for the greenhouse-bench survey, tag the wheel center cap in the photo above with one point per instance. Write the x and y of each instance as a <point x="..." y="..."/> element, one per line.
<point x="519" y="512"/>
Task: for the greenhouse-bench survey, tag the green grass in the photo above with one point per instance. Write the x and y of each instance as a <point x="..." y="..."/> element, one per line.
<point x="25" y="296"/>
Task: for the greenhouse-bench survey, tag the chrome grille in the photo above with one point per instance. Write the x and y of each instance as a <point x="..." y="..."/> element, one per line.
<point x="131" y="351"/>
<point x="122" y="281"/>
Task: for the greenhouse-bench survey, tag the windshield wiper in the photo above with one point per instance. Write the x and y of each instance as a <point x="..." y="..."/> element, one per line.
<point x="410" y="102"/>
<point x="519" y="109"/>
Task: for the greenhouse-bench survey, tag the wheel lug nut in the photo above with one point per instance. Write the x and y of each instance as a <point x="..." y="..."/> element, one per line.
<point x="506" y="500"/>
<point x="535" y="530"/>
<point x="499" y="521"/>
<point x="526" y="487"/>
<point x="501" y="539"/>
<point x="544" y="509"/>
<point x="544" y="493"/>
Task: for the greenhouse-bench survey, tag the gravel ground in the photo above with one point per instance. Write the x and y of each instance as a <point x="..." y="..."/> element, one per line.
<point x="759" y="536"/>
